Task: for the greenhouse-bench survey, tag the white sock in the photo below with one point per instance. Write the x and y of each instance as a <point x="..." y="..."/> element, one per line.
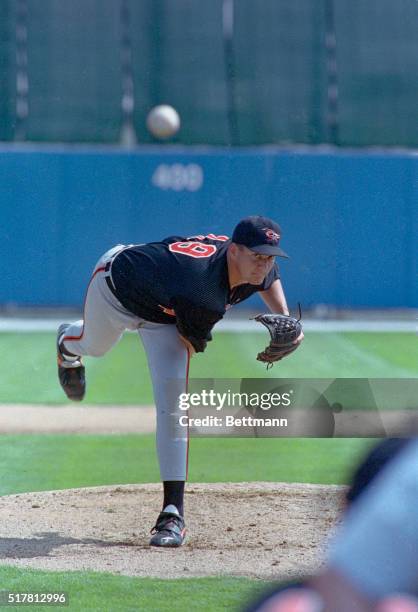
<point x="64" y="354"/>
<point x="171" y="508"/>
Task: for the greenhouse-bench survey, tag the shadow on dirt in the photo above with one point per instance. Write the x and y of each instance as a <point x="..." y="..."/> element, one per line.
<point x="45" y="543"/>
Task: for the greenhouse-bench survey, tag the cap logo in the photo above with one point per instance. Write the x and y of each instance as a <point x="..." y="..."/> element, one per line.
<point x="271" y="235"/>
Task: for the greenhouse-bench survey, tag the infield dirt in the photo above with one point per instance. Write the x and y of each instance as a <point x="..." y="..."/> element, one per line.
<point x="262" y="530"/>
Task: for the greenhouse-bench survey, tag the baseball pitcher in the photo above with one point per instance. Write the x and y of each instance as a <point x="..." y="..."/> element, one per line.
<point x="173" y="292"/>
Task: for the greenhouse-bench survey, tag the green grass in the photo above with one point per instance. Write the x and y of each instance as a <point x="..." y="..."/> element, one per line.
<point x="100" y="591"/>
<point x="121" y="376"/>
<point x="45" y="462"/>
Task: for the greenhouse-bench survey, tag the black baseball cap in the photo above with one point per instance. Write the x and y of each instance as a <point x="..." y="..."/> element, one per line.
<point x="259" y="234"/>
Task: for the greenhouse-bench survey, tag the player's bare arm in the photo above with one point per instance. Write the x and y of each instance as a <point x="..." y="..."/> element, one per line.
<point x="275" y="298"/>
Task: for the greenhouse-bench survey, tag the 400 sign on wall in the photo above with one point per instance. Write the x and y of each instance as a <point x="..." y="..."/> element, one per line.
<point x="178" y="177"/>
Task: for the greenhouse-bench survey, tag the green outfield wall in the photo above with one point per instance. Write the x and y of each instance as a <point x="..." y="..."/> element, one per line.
<point x="239" y="72"/>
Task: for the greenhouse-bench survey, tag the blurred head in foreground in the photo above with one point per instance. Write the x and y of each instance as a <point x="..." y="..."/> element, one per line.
<point x="380" y="456"/>
<point x="373" y="564"/>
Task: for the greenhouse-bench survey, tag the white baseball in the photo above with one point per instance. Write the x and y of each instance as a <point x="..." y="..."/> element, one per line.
<point x="163" y="121"/>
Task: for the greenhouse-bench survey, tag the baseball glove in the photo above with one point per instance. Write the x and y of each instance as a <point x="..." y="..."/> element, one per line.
<point x="283" y="331"/>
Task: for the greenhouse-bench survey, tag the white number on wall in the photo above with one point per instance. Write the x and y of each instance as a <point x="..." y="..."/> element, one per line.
<point x="178" y="177"/>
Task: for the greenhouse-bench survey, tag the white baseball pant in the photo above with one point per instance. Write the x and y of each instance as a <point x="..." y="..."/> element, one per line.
<point x="105" y="320"/>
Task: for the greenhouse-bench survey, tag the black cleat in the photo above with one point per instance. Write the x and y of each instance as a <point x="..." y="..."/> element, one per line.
<point x="71" y="373"/>
<point x="169" y="530"/>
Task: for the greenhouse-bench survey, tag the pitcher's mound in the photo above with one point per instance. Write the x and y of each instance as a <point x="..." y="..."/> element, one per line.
<point x="263" y="530"/>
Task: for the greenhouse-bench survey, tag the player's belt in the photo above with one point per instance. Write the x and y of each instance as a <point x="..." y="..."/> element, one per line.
<point x="108" y="277"/>
<point x="108" y="266"/>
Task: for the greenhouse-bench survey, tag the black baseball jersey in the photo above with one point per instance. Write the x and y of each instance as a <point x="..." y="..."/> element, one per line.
<point x="182" y="281"/>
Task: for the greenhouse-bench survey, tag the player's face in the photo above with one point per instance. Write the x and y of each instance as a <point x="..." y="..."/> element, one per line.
<point x="253" y="267"/>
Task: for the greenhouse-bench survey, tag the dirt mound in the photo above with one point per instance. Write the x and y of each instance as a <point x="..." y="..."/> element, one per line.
<point x="263" y="530"/>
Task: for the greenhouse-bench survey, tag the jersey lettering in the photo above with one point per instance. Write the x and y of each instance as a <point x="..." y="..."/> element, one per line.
<point x="193" y="249"/>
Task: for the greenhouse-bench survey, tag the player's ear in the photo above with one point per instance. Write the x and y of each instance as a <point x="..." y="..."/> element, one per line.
<point x="235" y="249"/>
